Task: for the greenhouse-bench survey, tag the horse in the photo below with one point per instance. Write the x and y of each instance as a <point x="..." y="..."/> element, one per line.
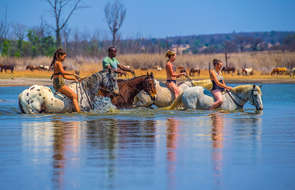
<point x="194" y="98"/>
<point x="128" y="89"/>
<point x="279" y="70"/>
<point x="32" y="67"/>
<point x="164" y="95"/>
<point x="41" y="99"/>
<point x="192" y="71"/>
<point x="247" y="71"/>
<point x="292" y="72"/>
<point x="229" y="69"/>
<point x="6" y="67"/>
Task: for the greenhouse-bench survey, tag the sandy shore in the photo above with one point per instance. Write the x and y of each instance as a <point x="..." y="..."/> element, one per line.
<point x="48" y="82"/>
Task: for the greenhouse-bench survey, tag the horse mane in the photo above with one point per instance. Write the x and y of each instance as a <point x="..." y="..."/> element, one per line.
<point x="245" y="88"/>
<point x="128" y="80"/>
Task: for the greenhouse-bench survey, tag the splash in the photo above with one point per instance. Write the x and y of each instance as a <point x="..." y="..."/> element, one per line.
<point x="102" y="105"/>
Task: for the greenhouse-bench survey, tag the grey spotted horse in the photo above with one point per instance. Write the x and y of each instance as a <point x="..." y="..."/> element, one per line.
<point x="41" y="99"/>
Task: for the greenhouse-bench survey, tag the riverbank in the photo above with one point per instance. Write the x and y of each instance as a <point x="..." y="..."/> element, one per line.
<point x="47" y="82"/>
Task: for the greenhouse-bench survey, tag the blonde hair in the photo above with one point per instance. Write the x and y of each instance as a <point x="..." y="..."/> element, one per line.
<point x="169" y="53"/>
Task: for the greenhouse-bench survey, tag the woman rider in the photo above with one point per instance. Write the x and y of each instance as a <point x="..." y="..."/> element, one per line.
<point x="218" y="83"/>
<point x="170" y="72"/>
<point x="59" y="74"/>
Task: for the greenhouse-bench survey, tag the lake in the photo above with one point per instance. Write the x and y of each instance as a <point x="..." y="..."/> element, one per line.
<point x="150" y="149"/>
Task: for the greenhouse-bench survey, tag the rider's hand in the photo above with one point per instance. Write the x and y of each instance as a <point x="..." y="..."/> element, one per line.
<point x="229" y="88"/>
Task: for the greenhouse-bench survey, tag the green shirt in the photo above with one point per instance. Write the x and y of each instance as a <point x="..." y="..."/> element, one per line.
<point x="113" y="62"/>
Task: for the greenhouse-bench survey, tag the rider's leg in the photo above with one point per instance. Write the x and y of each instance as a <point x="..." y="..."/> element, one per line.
<point x="218" y="97"/>
<point x="69" y="93"/>
<point x="174" y="88"/>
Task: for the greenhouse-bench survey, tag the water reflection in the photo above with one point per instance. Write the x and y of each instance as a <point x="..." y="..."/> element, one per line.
<point x="171" y="145"/>
<point x="66" y="139"/>
<point x="217" y="144"/>
<point x="115" y="142"/>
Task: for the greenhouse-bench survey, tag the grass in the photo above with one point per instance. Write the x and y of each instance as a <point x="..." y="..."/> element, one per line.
<point x="261" y="62"/>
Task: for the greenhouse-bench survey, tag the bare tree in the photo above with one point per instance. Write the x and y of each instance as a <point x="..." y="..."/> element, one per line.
<point x="19" y="31"/>
<point x="115" y="14"/>
<point x="59" y="8"/>
<point x="4" y="27"/>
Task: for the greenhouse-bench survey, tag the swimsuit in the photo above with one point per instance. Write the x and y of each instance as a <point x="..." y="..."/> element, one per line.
<point x="168" y="81"/>
<point x="58" y="82"/>
<point x="220" y="79"/>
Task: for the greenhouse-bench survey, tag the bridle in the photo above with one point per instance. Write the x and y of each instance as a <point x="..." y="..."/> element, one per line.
<point x="251" y="97"/>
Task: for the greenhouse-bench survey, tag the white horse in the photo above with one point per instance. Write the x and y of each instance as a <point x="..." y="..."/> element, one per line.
<point x="194" y="98"/>
<point x="164" y="96"/>
<point x="41" y="99"/>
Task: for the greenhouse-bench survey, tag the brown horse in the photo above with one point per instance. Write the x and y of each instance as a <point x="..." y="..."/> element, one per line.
<point x="229" y="69"/>
<point x="192" y="71"/>
<point x="6" y="67"/>
<point x="128" y="89"/>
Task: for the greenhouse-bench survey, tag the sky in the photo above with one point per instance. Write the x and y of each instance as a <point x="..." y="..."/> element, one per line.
<point x="166" y="18"/>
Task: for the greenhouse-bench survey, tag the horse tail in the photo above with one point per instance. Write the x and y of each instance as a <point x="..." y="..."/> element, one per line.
<point x="174" y="104"/>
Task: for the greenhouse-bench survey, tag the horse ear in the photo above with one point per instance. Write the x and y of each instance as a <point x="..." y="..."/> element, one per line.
<point x="147" y="73"/>
<point x="254" y="86"/>
<point x="152" y="74"/>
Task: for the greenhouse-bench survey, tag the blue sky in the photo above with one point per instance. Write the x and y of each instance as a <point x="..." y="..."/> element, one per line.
<point x="162" y="18"/>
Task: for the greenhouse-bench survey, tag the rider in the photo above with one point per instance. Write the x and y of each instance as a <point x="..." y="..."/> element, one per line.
<point x="218" y="83"/>
<point x="171" y="74"/>
<point x="110" y="62"/>
<point x="59" y="74"/>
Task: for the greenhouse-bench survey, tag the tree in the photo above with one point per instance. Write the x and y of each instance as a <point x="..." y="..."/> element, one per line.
<point x="61" y="18"/>
<point x="115" y="14"/>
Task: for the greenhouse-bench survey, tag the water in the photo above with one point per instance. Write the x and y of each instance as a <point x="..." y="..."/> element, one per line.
<point x="150" y="149"/>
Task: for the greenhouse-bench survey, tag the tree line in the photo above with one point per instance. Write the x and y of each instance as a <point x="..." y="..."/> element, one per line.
<point x="17" y="40"/>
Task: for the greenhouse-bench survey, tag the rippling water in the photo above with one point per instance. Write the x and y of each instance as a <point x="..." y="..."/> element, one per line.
<point x="150" y="149"/>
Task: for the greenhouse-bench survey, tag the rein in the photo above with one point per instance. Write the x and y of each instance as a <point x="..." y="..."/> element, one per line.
<point x="234" y="100"/>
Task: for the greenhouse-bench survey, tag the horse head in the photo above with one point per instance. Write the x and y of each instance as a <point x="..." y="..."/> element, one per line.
<point x="255" y="97"/>
<point x="251" y="93"/>
<point x="109" y="82"/>
<point x="149" y="85"/>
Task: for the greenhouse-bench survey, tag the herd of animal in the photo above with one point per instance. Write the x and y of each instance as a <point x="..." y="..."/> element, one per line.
<point x="245" y="71"/>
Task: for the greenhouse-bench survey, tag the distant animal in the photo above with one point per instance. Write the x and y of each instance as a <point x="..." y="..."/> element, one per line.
<point x="6" y="67"/>
<point x="279" y="70"/>
<point x="229" y="70"/>
<point x="32" y="67"/>
<point x="247" y="71"/>
<point x="158" y="68"/>
<point x="43" y="67"/>
<point x="144" y="68"/>
<point x="292" y="72"/>
<point x="192" y="71"/>
<point x="122" y="74"/>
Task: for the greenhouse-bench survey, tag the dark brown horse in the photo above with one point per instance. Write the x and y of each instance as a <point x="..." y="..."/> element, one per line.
<point x="128" y="89"/>
<point x="6" y="67"/>
<point x="192" y="71"/>
<point x="229" y="69"/>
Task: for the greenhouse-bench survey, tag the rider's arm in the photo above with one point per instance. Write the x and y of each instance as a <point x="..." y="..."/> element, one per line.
<point x="171" y="72"/>
<point x="124" y="68"/>
<point x="222" y="85"/>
